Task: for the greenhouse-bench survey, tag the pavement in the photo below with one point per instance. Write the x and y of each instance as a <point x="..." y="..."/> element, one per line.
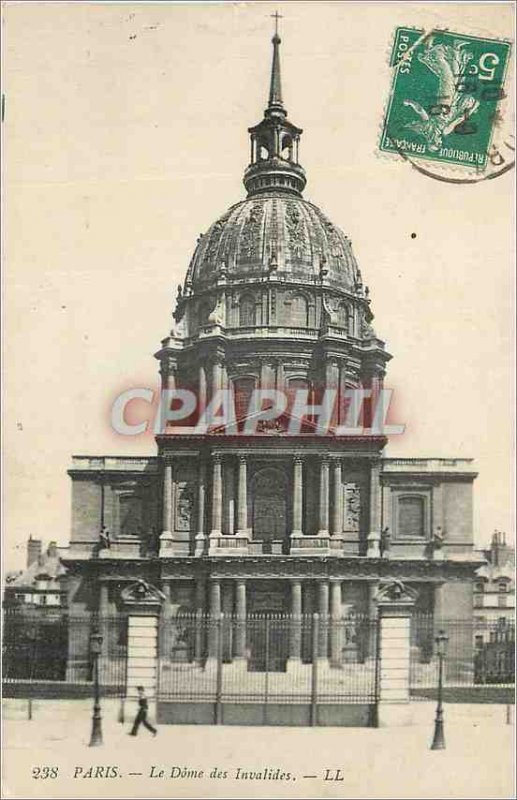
<point x="255" y="762"/>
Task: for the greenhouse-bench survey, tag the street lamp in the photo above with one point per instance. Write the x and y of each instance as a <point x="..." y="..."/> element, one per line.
<point x="441" y="648"/>
<point x="95" y="649"/>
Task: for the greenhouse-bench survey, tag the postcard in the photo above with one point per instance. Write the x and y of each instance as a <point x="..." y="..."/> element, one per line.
<point x="258" y="270"/>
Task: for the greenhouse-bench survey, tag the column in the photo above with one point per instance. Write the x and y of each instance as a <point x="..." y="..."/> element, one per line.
<point x="242" y="502"/>
<point x="166" y="537"/>
<point x="240" y="614"/>
<point x="169" y="373"/>
<point x="201" y="498"/>
<point x="323" y="610"/>
<point x="217" y="496"/>
<point x="324" y="498"/>
<point x="200" y="620"/>
<point x="297" y="497"/>
<point x="217" y="374"/>
<point x="336" y="627"/>
<point x="229" y="500"/>
<point x="295" y="638"/>
<point x="337" y="508"/>
<point x="214" y="629"/>
<point x="341" y="393"/>
<point x="366" y="644"/>
<point x="332" y="382"/>
<point x="375" y="510"/>
<point x="202" y="390"/>
<point x="167" y="498"/>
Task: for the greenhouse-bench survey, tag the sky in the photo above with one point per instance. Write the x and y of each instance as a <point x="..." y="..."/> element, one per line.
<point x="125" y="137"/>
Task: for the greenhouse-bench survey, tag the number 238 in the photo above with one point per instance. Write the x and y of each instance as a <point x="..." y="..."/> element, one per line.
<point x="42" y="773"/>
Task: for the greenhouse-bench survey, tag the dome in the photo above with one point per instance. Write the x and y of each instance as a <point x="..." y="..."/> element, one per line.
<point x="274" y="232"/>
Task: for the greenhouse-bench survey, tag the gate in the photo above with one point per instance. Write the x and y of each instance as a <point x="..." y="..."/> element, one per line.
<point x="272" y="669"/>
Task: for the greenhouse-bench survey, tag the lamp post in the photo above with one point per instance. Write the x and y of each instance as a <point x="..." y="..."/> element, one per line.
<point x="441" y="648"/>
<point x="95" y="649"/>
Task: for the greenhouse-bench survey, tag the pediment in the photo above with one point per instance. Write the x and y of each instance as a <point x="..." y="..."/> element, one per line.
<point x="394" y="592"/>
<point x="142" y="593"/>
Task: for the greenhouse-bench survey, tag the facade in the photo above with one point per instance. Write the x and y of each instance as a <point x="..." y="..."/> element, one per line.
<point x="246" y="524"/>
<point x="494" y="587"/>
<point x="42" y="585"/>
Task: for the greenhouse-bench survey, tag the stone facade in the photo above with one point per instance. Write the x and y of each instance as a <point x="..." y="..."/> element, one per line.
<point x="494" y="587"/>
<point x="271" y="522"/>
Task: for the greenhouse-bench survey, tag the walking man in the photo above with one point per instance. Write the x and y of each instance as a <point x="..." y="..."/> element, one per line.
<point x="141" y="717"/>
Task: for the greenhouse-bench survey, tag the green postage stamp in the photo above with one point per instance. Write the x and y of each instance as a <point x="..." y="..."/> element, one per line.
<point x="444" y="96"/>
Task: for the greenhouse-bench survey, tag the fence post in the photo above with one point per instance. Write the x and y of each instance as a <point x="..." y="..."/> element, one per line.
<point x="219" y="670"/>
<point x="395" y="603"/>
<point x="314" y="673"/>
<point x="142" y="602"/>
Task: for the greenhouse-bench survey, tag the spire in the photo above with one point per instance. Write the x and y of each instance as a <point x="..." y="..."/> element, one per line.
<point x="274" y="164"/>
<point x="275" y="87"/>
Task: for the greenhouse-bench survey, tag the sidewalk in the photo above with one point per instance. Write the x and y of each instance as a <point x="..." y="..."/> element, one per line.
<point x="385" y="763"/>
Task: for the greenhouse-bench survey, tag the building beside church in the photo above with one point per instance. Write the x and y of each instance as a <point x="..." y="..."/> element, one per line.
<point x="494" y="587"/>
<point x="41" y="585"/>
<point x="292" y="524"/>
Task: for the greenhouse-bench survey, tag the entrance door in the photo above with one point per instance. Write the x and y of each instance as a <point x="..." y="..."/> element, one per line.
<point x="269" y="508"/>
<point x="268" y="640"/>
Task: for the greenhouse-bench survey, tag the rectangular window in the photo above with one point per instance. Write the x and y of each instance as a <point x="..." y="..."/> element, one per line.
<point x="411" y="517"/>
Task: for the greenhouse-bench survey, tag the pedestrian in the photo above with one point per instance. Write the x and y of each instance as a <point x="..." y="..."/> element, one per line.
<point x="141" y="717"/>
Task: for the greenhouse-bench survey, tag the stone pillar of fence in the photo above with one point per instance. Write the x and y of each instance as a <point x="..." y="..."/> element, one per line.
<point x="142" y="602"/>
<point x="395" y="604"/>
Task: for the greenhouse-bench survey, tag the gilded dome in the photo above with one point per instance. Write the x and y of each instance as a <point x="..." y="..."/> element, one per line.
<point x="274" y="232"/>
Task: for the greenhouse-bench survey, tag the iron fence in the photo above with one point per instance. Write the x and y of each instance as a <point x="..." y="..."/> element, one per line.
<point x="480" y="658"/>
<point x="268" y="658"/>
<point x="263" y="658"/>
<point x="48" y="653"/>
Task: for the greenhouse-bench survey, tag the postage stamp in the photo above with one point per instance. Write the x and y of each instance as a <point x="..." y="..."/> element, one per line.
<point x="444" y="97"/>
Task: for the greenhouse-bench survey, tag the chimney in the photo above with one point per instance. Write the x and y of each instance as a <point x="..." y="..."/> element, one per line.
<point x="33" y="550"/>
<point x="52" y="550"/>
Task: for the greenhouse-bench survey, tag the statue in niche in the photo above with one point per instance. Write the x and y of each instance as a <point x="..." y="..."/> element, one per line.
<point x="353" y="506"/>
<point x="385" y="543"/>
<point x="185" y="507"/>
<point x="104" y="538"/>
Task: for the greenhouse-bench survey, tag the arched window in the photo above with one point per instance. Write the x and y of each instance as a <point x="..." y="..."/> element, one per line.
<point x="502" y="586"/>
<point x="262" y="150"/>
<point x="411" y="516"/>
<point x="247" y="312"/>
<point x="296" y="311"/>
<point x="294" y="384"/>
<point x="287" y="148"/>
<point x="343" y="316"/>
<point x="479" y="586"/>
<point x="242" y="388"/>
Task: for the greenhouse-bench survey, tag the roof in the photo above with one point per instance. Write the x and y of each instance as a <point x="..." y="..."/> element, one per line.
<point x="274" y="231"/>
<point x="48" y="567"/>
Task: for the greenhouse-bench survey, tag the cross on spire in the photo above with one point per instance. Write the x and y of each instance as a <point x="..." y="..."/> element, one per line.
<point x="276" y="16"/>
<point x="275" y="86"/>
